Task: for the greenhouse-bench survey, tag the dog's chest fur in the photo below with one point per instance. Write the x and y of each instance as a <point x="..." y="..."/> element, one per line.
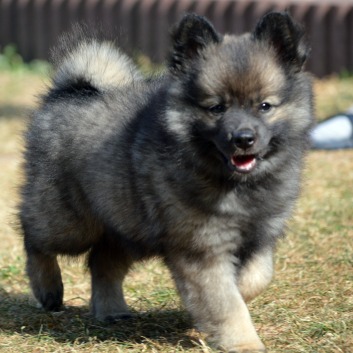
<point x="240" y="222"/>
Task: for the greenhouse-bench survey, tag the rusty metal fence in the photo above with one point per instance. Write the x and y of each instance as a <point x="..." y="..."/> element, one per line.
<point x="143" y="25"/>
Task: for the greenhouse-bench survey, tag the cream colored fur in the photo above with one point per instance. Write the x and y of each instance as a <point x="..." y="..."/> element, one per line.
<point x="256" y="275"/>
<point x="100" y="63"/>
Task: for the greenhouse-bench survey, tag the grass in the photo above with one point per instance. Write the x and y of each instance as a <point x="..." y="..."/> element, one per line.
<point x="307" y="308"/>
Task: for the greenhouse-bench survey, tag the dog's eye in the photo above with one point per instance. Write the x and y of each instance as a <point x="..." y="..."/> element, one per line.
<point x="265" y="107"/>
<point x="217" y="109"/>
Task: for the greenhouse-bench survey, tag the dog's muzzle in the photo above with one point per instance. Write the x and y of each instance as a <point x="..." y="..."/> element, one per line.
<point x="243" y="160"/>
<point x="243" y="139"/>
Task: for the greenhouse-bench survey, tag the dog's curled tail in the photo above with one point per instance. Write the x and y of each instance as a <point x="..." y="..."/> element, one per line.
<point x="92" y="62"/>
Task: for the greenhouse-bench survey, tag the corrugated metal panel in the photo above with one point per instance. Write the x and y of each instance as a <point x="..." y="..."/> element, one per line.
<point x="143" y="25"/>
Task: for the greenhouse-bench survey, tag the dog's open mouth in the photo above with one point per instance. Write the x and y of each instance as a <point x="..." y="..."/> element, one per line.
<point x="243" y="164"/>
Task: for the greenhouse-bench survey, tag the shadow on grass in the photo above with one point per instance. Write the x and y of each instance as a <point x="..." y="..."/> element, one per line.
<point x="75" y="325"/>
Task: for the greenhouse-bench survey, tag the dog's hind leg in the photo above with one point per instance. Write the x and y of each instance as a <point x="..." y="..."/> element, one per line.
<point x="109" y="262"/>
<point x="45" y="279"/>
<point x="51" y="230"/>
<point x="42" y="266"/>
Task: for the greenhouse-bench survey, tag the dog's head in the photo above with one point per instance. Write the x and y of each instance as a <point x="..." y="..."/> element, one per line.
<point x="241" y="100"/>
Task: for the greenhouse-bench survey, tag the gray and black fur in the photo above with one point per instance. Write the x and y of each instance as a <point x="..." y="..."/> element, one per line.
<point x="200" y="166"/>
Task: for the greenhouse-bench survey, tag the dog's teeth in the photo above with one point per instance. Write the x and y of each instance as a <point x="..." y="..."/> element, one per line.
<point x="244" y="163"/>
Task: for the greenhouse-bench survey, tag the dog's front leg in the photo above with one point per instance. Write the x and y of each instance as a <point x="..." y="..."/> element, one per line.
<point x="256" y="274"/>
<point x="208" y="289"/>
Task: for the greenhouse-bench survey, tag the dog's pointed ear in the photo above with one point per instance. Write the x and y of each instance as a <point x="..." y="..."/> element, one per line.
<point x="286" y="37"/>
<point x="189" y="37"/>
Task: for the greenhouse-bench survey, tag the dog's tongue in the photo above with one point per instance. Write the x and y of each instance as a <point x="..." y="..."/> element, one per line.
<point x="244" y="163"/>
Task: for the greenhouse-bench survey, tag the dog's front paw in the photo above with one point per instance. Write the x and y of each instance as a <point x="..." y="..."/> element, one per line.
<point x="248" y="348"/>
<point x="254" y="346"/>
<point x="247" y="351"/>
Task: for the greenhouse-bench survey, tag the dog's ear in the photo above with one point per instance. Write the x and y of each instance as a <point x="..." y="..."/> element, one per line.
<point x="192" y="34"/>
<point x="286" y="37"/>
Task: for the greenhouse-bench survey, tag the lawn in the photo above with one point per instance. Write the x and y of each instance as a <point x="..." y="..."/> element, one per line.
<point x="308" y="307"/>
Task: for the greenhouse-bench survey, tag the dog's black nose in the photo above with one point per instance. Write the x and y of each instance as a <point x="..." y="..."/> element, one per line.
<point x="244" y="139"/>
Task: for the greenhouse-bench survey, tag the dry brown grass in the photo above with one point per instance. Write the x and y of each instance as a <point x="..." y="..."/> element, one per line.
<point x="308" y="308"/>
